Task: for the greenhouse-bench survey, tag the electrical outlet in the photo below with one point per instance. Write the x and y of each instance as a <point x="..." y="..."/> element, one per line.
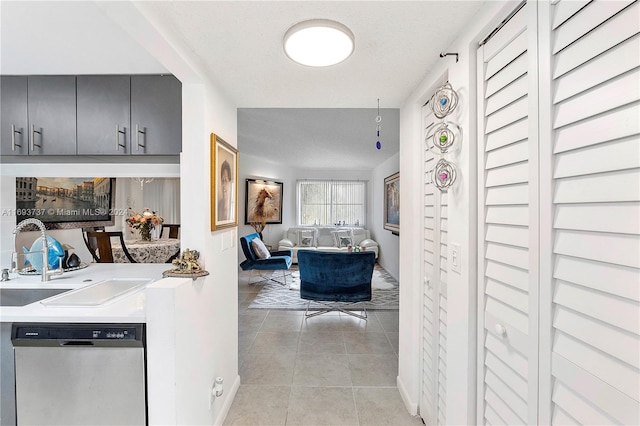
<point x="455" y="257"/>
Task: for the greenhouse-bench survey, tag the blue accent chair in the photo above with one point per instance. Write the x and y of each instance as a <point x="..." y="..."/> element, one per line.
<point x="335" y="277"/>
<point x="279" y="260"/>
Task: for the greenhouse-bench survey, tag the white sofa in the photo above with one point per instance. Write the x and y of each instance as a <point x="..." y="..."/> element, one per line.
<point x="323" y="238"/>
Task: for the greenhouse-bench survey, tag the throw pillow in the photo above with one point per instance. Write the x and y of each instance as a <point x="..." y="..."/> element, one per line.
<point x="342" y="238"/>
<point x="260" y="249"/>
<point x="307" y="238"/>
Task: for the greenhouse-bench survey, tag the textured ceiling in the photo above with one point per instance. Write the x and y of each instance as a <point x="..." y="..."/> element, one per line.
<point x="319" y="138"/>
<point x="239" y="43"/>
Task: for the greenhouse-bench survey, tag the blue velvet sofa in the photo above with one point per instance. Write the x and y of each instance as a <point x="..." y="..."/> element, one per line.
<point x="335" y="277"/>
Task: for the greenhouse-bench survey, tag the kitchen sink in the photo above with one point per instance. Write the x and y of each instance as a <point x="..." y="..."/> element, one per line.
<point x="99" y="293"/>
<point x="26" y="296"/>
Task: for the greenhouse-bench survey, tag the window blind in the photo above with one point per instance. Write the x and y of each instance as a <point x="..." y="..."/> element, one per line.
<point x="331" y="202"/>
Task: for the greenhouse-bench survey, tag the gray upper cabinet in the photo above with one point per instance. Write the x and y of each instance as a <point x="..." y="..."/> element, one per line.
<point x="91" y="115"/>
<point x="13" y="116"/>
<point x="103" y="114"/>
<point x="52" y="115"/>
<point x="156" y="115"/>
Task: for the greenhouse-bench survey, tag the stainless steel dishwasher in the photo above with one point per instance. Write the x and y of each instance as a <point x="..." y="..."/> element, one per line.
<point x="80" y="374"/>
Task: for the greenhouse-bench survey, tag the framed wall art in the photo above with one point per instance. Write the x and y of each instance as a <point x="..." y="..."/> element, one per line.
<point x="263" y="202"/>
<point x="224" y="184"/>
<point x="392" y="203"/>
<point x="66" y="202"/>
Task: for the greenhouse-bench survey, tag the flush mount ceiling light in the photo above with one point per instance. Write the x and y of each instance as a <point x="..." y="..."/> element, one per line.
<point x="318" y="42"/>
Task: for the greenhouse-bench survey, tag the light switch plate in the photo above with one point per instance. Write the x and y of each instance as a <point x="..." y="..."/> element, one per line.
<point x="455" y="257"/>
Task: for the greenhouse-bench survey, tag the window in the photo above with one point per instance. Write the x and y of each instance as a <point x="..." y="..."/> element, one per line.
<point x="329" y="202"/>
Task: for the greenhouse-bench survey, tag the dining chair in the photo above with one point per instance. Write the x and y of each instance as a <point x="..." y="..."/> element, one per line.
<point x="173" y="228"/>
<point x="103" y="248"/>
<point x="91" y="245"/>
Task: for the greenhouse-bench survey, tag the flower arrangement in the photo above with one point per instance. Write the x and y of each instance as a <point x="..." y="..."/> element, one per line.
<point x="144" y="222"/>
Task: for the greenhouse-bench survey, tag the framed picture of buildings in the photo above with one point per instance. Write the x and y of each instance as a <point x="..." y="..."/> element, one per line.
<point x="66" y="202"/>
<point x="224" y="184"/>
<point x="392" y="203"/>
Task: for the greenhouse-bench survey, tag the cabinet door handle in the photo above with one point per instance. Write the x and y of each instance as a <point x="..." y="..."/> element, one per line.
<point x="118" y="133"/>
<point x="138" y="131"/>
<point x="33" y="137"/>
<point x="13" y="137"/>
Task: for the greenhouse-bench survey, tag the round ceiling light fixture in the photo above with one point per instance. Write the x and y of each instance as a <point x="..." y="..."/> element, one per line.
<point x="318" y="42"/>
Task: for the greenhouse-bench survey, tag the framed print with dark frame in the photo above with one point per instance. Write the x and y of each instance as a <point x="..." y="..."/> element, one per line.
<point x="224" y="184"/>
<point x="66" y="202"/>
<point x="392" y="203"/>
<point x="263" y="202"/>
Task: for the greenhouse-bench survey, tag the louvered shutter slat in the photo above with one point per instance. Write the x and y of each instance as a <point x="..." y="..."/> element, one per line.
<point x="619" y="123"/>
<point x="566" y="9"/>
<point x="607" y="96"/>
<point x="620" y="217"/>
<point x="591" y="303"/>
<point x="615" y="405"/>
<point x="621" y="154"/>
<point x="599" y="364"/>
<point x="507" y="274"/>
<point x="606" y="277"/>
<point x="619" y="186"/>
<point x="598" y="246"/>
<point x="613" y="341"/>
<point x="584" y="21"/>
<point x="599" y="40"/>
<point x="508" y="215"/>
<point x="610" y="64"/>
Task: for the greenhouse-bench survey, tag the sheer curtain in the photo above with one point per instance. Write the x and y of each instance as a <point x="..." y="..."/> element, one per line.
<point x="331" y="202"/>
<point x="162" y="195"/>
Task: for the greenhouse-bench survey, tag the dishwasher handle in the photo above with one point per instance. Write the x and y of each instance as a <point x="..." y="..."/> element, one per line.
<point x="76" y="343"/>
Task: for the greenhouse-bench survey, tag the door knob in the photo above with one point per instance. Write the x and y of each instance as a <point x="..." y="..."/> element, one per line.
<point x="500" y="329"/>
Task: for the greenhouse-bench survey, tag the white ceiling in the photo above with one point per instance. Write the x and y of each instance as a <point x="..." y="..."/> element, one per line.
<point x="239" y="43"/>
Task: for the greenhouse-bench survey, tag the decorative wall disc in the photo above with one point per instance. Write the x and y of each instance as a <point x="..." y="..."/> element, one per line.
<point x="444" y="175"/>
<point x="444" y="101"/>
<point x="443" y="137"/>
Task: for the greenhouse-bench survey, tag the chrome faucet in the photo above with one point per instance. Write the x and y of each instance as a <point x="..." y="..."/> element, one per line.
<point x="46" y="272"/>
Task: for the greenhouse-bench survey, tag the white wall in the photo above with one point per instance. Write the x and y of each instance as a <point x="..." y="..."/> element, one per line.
<point x="461" y="313"/>
<point x="181" y="395"/>
<point x="389" y="243"/>
<point x="252" y="167"/>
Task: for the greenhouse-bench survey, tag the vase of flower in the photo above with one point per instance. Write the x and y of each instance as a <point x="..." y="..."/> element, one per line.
<point x="145" y="231"/>
<point x="144" y="222"/>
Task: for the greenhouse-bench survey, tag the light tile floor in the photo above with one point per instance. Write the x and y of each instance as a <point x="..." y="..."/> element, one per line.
<point x="333" y="369"/>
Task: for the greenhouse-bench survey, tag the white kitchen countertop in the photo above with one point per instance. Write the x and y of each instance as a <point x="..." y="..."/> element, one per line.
<point x="127" y="308"/>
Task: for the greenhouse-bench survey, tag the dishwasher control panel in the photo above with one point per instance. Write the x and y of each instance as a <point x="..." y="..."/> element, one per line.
<point x="70" y="334"/>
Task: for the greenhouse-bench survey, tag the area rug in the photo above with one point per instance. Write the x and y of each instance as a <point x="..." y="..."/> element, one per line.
<point x="276" y="296"/>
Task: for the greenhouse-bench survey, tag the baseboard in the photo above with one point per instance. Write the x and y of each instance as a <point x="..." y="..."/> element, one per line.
<point x="412" y="407"/>
<point x="226" y="406"/>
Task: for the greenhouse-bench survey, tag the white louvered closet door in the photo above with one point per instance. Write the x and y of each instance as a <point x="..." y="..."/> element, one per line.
<point x="508" y="225"/>
<point x="559" y="217"/>
<point x="594" y="294"/>
<point x="434" y="322"/>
